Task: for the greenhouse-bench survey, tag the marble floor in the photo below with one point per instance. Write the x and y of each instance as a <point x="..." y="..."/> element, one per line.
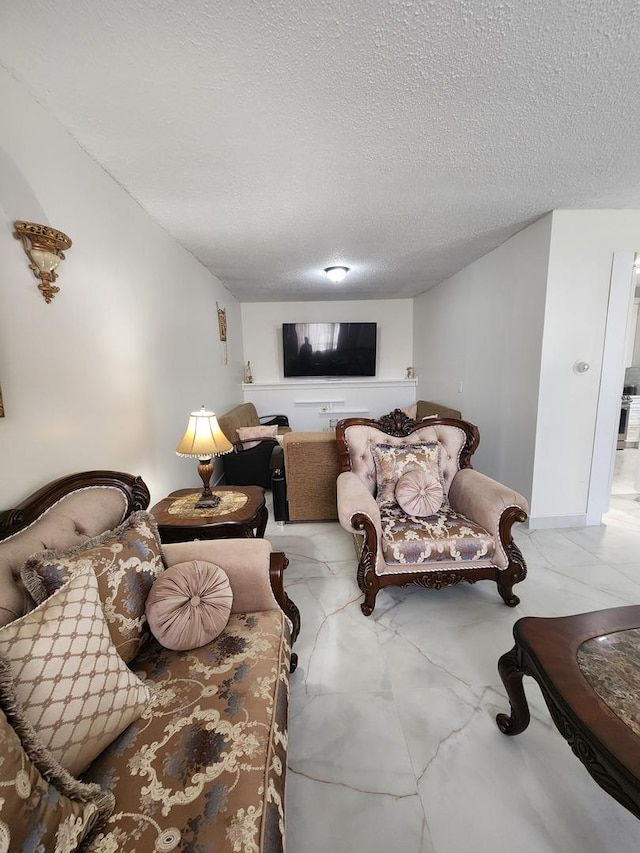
<point x="392" y="739"/>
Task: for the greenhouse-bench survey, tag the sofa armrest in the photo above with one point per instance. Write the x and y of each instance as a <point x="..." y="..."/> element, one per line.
<point x="490" y="504"/>
<point x="271" y="420"/>
<point x="247" y="563"/>
<point x="354" y="498"/>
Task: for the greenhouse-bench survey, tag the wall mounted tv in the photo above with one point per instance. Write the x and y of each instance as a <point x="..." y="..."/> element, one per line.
<point x="329" y="349"/>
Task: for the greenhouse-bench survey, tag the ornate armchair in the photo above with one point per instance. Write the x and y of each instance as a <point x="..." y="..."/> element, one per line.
<point x="422" y="515"/>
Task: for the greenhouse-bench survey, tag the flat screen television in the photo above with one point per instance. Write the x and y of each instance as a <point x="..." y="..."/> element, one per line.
<point x="329" y="349"/>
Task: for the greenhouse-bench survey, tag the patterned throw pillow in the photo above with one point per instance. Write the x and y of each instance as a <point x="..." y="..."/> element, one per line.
<point x="42" y="807"/>
<point x="393" y="460"/>
<point x="189" y="605"/>
<point x="75" y="689"/>
<point x="251" y="436"/>
<point x="419" y="493"/>
<point x="126" y="561"/>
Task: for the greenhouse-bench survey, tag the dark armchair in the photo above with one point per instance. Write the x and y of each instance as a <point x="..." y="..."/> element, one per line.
<point x="250" y="464"/>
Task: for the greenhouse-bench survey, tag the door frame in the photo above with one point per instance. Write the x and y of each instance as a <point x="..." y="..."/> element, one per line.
<point x="621" y="293"/>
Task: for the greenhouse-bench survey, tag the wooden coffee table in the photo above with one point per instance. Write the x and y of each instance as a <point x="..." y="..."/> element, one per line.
<point x="241" y="512"/>
<point x="588" y="669"/>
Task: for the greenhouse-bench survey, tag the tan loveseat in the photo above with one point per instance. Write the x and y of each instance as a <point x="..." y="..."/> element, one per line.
<point x="203" y="767"/>
<point x="426" y="409"/>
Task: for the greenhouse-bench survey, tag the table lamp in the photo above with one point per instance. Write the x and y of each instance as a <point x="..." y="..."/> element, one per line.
<point x="204" y="439"/>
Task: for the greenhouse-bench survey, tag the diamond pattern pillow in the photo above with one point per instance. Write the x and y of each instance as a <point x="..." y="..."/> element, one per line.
<point x="75" y="689"/>
<point x="42" y="807"/>
<point x="126" y="561"/>
<point x="394" y="460"/>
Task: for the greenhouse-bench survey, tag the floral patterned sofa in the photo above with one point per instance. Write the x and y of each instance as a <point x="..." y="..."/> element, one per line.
<point x="199" y="763"/>
<point x="420" y="513"/>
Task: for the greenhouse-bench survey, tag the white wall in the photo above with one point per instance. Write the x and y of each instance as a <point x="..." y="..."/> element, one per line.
<point x="316" y="405"/>
<point x="304" y="401"/>
<point x="580" y="262"/>
<point x="481" y="331"/>
<point x="105" y="375"/>
<point x="262" y="331"/>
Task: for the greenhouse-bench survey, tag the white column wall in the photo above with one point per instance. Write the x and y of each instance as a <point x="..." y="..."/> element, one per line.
<point x="478" y="339"/>
<point x="105" y="375"/>
<point x="580" y="262"/>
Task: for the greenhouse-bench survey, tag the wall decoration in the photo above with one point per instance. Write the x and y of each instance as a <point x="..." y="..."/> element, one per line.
<point x="222" y="330"/>
<point x="222" y="322"/>
<point x="43" y="247"/>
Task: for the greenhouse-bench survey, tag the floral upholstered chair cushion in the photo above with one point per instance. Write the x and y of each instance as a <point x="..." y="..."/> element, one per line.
<point x="204" y="767"/>
<point x="432" y="539"/>
<point x="422" y="537"/>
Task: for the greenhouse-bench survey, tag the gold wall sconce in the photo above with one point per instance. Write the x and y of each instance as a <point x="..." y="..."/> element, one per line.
<point x="44" y="247"/>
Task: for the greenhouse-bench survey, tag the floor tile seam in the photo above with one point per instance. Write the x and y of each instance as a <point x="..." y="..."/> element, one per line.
<point x="379" y="692"/>
<point x="594" y="586"/>
<point x="591" y="560"/>
<point x="305" y="558"/>
<point x="325" y="618"/>
<point x="597" y="547"/>
<point x="474" y="709"/>
<point x="395" y="796"/>
<point x="437" y="666"/>
<point x="553" y="535"/>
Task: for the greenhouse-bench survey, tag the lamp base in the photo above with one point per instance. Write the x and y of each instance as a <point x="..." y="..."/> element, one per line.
<point x="207" y="501"/>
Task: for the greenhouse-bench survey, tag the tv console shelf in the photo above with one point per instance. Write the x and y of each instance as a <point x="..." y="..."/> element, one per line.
<point x="308" y="402"/>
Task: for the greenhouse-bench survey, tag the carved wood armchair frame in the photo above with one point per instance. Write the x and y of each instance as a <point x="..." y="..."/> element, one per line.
<point x="371" y="582"/>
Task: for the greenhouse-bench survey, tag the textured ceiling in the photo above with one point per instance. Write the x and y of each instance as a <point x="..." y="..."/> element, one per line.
<point x="404" y="139"/>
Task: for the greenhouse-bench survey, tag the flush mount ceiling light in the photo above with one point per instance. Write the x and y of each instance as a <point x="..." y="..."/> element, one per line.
<point x="44" y="247"/>
<point x="336" y="273"/>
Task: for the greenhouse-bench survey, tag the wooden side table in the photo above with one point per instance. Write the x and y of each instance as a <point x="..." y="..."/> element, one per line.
<point x="588" y="669"/>
<point x="241" y="513"/>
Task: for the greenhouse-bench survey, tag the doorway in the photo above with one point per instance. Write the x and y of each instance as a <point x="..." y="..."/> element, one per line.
<point x="625" y="485"/>
<point x="619" y="339"/>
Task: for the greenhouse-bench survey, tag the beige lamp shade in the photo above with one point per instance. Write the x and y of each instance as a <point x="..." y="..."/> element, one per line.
<point x="203" y="437"/>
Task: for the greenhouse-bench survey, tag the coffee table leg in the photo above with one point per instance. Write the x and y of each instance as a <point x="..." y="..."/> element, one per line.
<point x="512" y="673"/>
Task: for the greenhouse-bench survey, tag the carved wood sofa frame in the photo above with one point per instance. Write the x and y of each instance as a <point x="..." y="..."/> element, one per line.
<point x="397" y="423"/>
<point x="137" y="498"/>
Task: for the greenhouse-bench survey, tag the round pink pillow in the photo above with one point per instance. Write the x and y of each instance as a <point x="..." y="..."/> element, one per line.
<point x="189" y="605"/>
<point x="419" y="493"/>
